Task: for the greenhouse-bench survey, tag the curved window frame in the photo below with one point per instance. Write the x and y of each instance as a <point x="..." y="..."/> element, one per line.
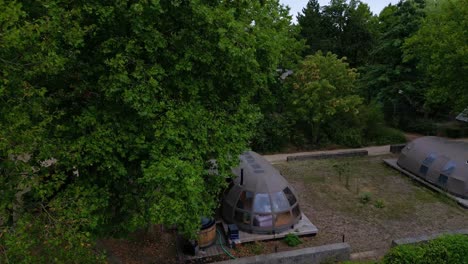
<point x="449" y="168"/>
<point x="287" y="213"/>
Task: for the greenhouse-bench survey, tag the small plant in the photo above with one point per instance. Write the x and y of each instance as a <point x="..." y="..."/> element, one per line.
<point x="379" y="204"/>
<point x="364" y="198"/>
<point x="342" y="168"/>
<point x="255" y="248"/>
<point x="292" y="240"/>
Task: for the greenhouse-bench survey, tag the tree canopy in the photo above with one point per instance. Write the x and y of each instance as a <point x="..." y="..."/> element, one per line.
<point x="440" y="47"/>
<point x="112" y="111"/>
<point x="346" y="29"/>
<point x="323" y="89"/>
<point x="396" y="83"/>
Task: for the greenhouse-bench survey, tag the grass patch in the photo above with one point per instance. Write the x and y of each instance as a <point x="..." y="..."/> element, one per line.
<point x="255" y="248"/>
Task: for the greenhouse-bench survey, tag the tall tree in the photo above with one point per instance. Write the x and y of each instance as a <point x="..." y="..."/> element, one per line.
<point x="310" y="23"/>
<point x="111" y="112"/>
<point x="323" y="89"/>
<point x="441" y="49"/>
<point x="395" y="83"/>
<point x="346" y="29"/>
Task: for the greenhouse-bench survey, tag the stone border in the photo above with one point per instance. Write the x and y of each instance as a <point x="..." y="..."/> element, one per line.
<point x="396" y="149"/>
<point x="313" y="255"/>
<point x="353" y="153"/>
<point x="426" y="238"/>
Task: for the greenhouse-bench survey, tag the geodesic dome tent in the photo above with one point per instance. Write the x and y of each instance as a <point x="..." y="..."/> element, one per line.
<point x="259" y="199"/>
<point x="441" y="162"/>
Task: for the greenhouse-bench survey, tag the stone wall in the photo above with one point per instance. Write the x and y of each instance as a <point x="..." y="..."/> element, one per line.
<point x="312" y="255"/>
<point x="352" y="153"/>
<point x="426" y="238"/>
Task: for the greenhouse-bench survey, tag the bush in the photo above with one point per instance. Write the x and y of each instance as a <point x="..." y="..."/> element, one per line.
<point x="422" y="126"/>
<point x="272" y="133"/>
<point x="255" y="248"/>
<point x="40" y="239"/>
<point x="379" y="204"/>
<point x="389" y="135"/>
<point x="443" y="250"/>
<point x="364" y="198"/>
<point x="375" y="130"/>
<point x="292" y="240"/>
<point x="350" y="137"/>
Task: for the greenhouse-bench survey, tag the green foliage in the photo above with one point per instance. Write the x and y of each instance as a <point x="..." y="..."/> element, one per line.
<point x="255" y="248"/>
<point x="48" y="240"/>
<point x="323" y="90"/>
<point x="445" y="249"/>
<point x="374" y="129"/>
<point x="365" y="198"/>
<point x="131" y="99"/>
<point x="292" y="240"/>
<point x="346" y="28"/>
<point x="394" y="82"/>
<point x="440" y="48"/>
<point x="342" y="168"/>
<point x="273" y="132"/>
<point x="389" y="135"/>
<point x="379" y="204"/>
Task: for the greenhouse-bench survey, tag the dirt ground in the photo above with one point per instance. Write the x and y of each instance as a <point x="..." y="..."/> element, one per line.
<point x="370" y="204"/>
<point x="377" y="206"/>
<point x="157" y="246"/>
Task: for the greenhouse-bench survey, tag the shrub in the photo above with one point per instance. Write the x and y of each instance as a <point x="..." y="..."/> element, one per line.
<point x="255" y="248"/>
<point x="443" y="250"/>
<point x="350" y="137"/>
<point x="292" y="240"/>
<point x="375" y="130"/>
<point x="405" y="254"/>
<point x="389" y="135"/>
<point x="379" y="204"/>
<point x="364" y="198"/>
<point x="272" y="133"/>
<point x="41" y="239"/>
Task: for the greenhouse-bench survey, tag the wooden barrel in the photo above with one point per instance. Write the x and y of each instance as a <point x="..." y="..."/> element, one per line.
<point x="207" y="234"/>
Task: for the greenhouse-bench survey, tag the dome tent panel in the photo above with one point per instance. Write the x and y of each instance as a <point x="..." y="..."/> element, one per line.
<point x="280" y="202"/>
<point x="263" y="201"/>
<point x="440" y="161"/>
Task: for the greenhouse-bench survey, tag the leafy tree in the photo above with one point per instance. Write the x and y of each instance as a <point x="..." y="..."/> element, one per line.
<point x="394" y="82"/>
<point x="324" y="89"/>
<point x="131" y="99"/>
<point x="311" y="29"/>
<point x="440" y="48"/>
<point x="346" y="29"/>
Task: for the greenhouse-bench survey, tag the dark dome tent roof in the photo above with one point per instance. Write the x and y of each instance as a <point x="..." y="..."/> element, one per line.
<point x="260" y="200"/>
<point x="441" y="162"/>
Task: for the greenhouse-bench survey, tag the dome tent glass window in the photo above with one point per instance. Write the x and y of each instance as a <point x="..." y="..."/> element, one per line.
<point x="260" y="200"/>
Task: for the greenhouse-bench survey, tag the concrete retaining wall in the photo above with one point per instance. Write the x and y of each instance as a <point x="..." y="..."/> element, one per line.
<point x="312" y="255"/>
<point x="424" y="239"/>
<point x="353" y="153"/>
<point x="396" y="149"/>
